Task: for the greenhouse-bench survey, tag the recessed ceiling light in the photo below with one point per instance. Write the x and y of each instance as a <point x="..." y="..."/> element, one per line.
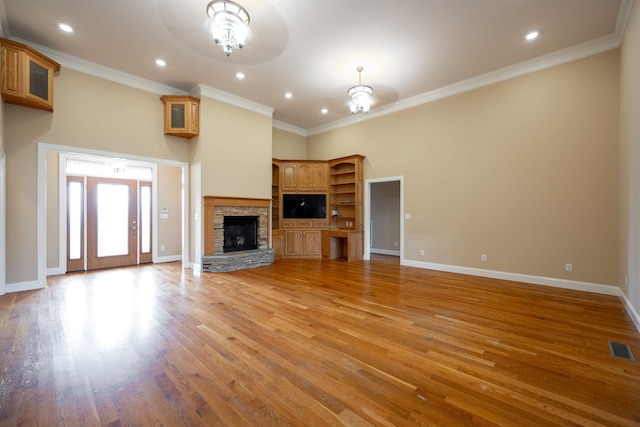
<point x="324" y="111"/>
<point x="240" y="76"/>
<point x="66" y="28"/>
<point x="160" y="62"/>
<point x="288" y="95"/>
<point x="532" y="35"/>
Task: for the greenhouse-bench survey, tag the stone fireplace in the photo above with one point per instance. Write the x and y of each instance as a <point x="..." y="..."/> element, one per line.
<point x="236" y="233"/>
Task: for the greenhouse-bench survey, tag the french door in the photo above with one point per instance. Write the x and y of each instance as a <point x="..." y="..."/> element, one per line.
<point x="118" y="223"/>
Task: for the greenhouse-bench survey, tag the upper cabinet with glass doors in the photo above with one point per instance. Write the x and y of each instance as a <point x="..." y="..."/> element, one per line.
<point x="27" y="76"/>
<point x="181" y="115"/>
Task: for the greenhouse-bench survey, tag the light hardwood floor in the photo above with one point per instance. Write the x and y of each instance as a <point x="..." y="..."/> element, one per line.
<point x="307" y="342"/>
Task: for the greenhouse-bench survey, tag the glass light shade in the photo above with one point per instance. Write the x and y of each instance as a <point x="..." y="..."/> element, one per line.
<point x="361" y="99"/>
<point x="228" y="23"/>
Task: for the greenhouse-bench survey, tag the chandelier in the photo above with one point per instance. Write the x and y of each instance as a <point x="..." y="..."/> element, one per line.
<point x="228" y="23"/>
<point x="360" y="96"/>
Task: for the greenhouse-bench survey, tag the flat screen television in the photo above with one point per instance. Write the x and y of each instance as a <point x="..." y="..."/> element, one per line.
<point x="304" y="206"/>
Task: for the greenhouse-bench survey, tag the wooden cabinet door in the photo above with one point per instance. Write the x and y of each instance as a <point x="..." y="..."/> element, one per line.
<point x="319" y="172"/>
<point x="302" y="243"/>
<point x="289" y="178"/>
<point x="311" y="242"/>
<point x="304" y="177"/>
<point x="293" y="243"/>
<point x="277" y="241"/>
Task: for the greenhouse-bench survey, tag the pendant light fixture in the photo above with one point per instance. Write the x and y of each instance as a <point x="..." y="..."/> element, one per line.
<point x="360" y="98"/>
<point x="228" y="23"/>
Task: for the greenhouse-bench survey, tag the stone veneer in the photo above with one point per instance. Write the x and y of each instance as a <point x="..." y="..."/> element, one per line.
<point x="215" y="209"/>
<point x="239" y="260"/>
<point x="218" y="224"/>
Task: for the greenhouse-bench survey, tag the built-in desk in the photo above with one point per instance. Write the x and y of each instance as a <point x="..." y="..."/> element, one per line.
<point x="347" y="244"/>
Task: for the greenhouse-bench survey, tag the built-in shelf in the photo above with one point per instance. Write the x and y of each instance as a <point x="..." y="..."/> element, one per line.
<point x="341" y="180"/>
<point x="345" y="192"/>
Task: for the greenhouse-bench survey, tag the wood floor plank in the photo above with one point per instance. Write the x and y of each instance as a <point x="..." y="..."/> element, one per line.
<point x="310" y="342"/>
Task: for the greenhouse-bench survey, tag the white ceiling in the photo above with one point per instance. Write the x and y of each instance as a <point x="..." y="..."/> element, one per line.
<point x="311" y="48"/>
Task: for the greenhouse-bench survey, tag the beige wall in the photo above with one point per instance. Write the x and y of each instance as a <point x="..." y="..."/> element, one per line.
<point x="525" y="171"/>
<point x="289" y="146"/>
<point x="169" y="197"/>
<point x="630" y="159"/>
<point x="90" y="113"/>
<point x="235" y="151"/>
<point x="231" y="157"/>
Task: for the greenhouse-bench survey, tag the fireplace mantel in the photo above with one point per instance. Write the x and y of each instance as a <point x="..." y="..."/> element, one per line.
<point x="215" y="208"/>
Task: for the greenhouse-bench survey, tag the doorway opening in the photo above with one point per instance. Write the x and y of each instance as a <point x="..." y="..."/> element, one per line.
<point x="384" y="213"/>
<point x="108" y="213"/>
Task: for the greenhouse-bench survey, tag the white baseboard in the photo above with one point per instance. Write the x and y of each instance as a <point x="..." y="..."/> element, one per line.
<point x="632" y="311"/>
<point x="169" y="258"/>
<point x="55" y="271"/>
<point x="23" y="286"/>
<point x="384" y="252"/>
<point x="536" y="280"/>
<point x="525" y="278"/>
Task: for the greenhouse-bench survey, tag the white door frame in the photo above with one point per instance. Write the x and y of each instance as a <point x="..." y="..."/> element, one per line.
<point x="367" y="214"/>
<point x="41" y="202"/>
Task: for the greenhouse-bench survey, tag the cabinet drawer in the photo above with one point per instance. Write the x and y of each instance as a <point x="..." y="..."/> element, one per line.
<point x="305" y="224"/>
<point x="320" y="224"/>
<point x="289" y="224"/>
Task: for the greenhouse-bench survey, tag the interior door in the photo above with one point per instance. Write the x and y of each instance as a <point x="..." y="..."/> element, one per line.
<point x="112" y="223"/>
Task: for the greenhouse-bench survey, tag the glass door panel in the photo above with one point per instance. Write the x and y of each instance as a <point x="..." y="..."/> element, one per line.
<point x="112" y="223"/>
<point x="113" y="219"/>
<point x="145" y="223"/>
<point x="75" y="223"/>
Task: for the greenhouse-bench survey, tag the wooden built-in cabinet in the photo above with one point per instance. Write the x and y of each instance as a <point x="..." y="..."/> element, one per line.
<point x="304" y="176"/>
<point x="27" y="76"/>
<point x="302" y="243"/>
<point x="345" y="193"/>
<point x="341" y="180"/>
<point x="275" y="195"/>
<point x="181" y="115"/>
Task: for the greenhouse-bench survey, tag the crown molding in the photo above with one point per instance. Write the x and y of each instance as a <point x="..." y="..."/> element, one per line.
<point x="552" y="59"/>
<point x="100" y="71"/>
<point x="229" y="98"/>
<point x="623" y="17"/>
<point x="290" y="128"/>
<point x="111" y="74"/>
<point x="569" y="54"/>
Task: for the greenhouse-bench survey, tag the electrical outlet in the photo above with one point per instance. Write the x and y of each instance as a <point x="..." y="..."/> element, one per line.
<point x="395" y="243"/>
<point x="568" y="268"/>
<point x="162" y="248"/>
<point x="421" y="252"/>
<point x="483" y="257"/>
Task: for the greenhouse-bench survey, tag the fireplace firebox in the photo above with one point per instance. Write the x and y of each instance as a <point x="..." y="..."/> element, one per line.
<point x="240" y="233"/>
